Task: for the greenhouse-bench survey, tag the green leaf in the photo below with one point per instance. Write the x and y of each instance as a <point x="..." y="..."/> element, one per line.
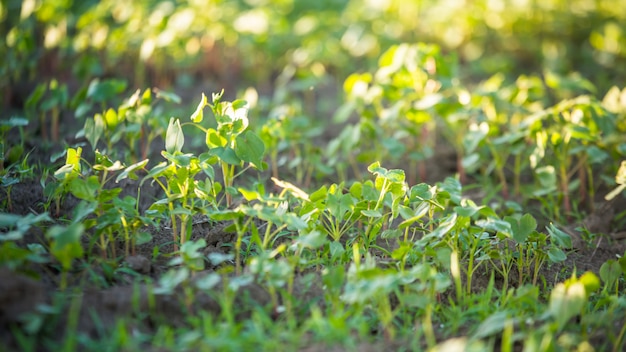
<point x="168" y="96"/>
<point x="130" y="170"/>
<point x="421" y="192"/>
<point x="372" y="213"/>
<point x="556" y="255"/>
<point x="142" y="238"/>
<point x="226" y="155"/>
<point x="214" y="139"/>
<point x="453" y="187"/>
<point x="198" y="115"/>
<point x="85" y="188"/>
<point x="523" y="228"/>
<point x="34" y="97"/>
<point x="14" y="121"/>
<point x="444" y="227"/>
<point x="66" y="245"/>
<point x="249" y="147"/>
<point x="494" y="324"/>
<point x="171" y="279"/>
<point x="561" y="238"/>
<point x="105" y="90"/>
<point x="94" y="129"/>
<point x="312" y="240"/>
<point x="174" y="138"/>
<point x="497" y="225"/>
<point x="208" y="281"/>
<point x="610" y="272"/>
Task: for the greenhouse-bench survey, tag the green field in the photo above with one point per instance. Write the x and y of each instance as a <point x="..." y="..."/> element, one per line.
<point x="333" y="175"/>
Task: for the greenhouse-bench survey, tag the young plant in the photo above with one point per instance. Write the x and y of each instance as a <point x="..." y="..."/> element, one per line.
<point x="65" y="246"/>
<point x="390" y="189"/>
<point x="136" y="122"/>
<point x="184" y="194"/>
<point x="231" y="141"/>
<point x="48" y="100"/>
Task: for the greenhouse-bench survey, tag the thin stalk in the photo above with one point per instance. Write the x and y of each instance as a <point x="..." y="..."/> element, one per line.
<point x="126" y="235"/>
<point x="455" y="271"/>
<point x="517" y="171"/>
<point x="565" y="188"/>
<point x="44" y="128"/>
<point x="520" y="265"/>
<point x="500" y="170"/>
<point x="268" y="234"/>
<point x="459" y="166"/>
<point x="240" y="231"/>
<point x="55" y="124"/>
<point x="592" y="191"/>
<point x="429" y="332"/>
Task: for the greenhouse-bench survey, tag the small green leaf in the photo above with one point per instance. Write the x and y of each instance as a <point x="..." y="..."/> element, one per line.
<point x="214" y="139"/>
<point x="497" y="225"/>
<point x="66" y="245"/>
<point x="561" y="238"/>
<point x="250" y="148"/>
<point x="85" y="188"/>
<point x="610" y="272"/>
<point x="94" y="129"/>
<point x="142" y="238"/>
<point x="444" y="227"/>
<point x="34" y="98"/>
<point x="198" y="115"/>
<point x="556" y="255"/>
<point x="130" y="170"/>
<point x="170" y="280"/>
<point x="168" y="96"/>
<point x="226" y="155"/>
<point x="494" y="324"/>
<point x="372" y="213"/>
<point x="312" y="240"/>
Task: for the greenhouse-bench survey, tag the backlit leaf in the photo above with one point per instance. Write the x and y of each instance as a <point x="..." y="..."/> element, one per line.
<point x="174" y="138"/>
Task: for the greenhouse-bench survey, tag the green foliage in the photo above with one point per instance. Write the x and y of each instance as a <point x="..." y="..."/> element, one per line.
<point x="394" y="258"/>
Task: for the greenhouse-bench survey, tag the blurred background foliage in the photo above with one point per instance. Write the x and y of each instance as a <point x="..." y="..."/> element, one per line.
<point x="238" y="42"/>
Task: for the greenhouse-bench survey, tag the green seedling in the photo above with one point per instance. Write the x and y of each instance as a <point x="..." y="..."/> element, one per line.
<point x="15" y="227"/>
<point x="12" y="175"/>
<point x="287" y="135"/>
<point x="11" y="154"/>
<point x="190" y="255"/>
<point x="335" y="211"/>
<point x="391" y="189"/>
<point x="48" y="100"/>
<point x="572" y="143"/>
<point x="72" y="169"/>
<point x="97" y="95"/>
<point x="65" y="246"/>
<point x="137" y="122"/>
<point x="610" y="273"/>
<point x="231" y="141"/>
<point x="396" y="106"/>
<point x="184" y="194"/>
